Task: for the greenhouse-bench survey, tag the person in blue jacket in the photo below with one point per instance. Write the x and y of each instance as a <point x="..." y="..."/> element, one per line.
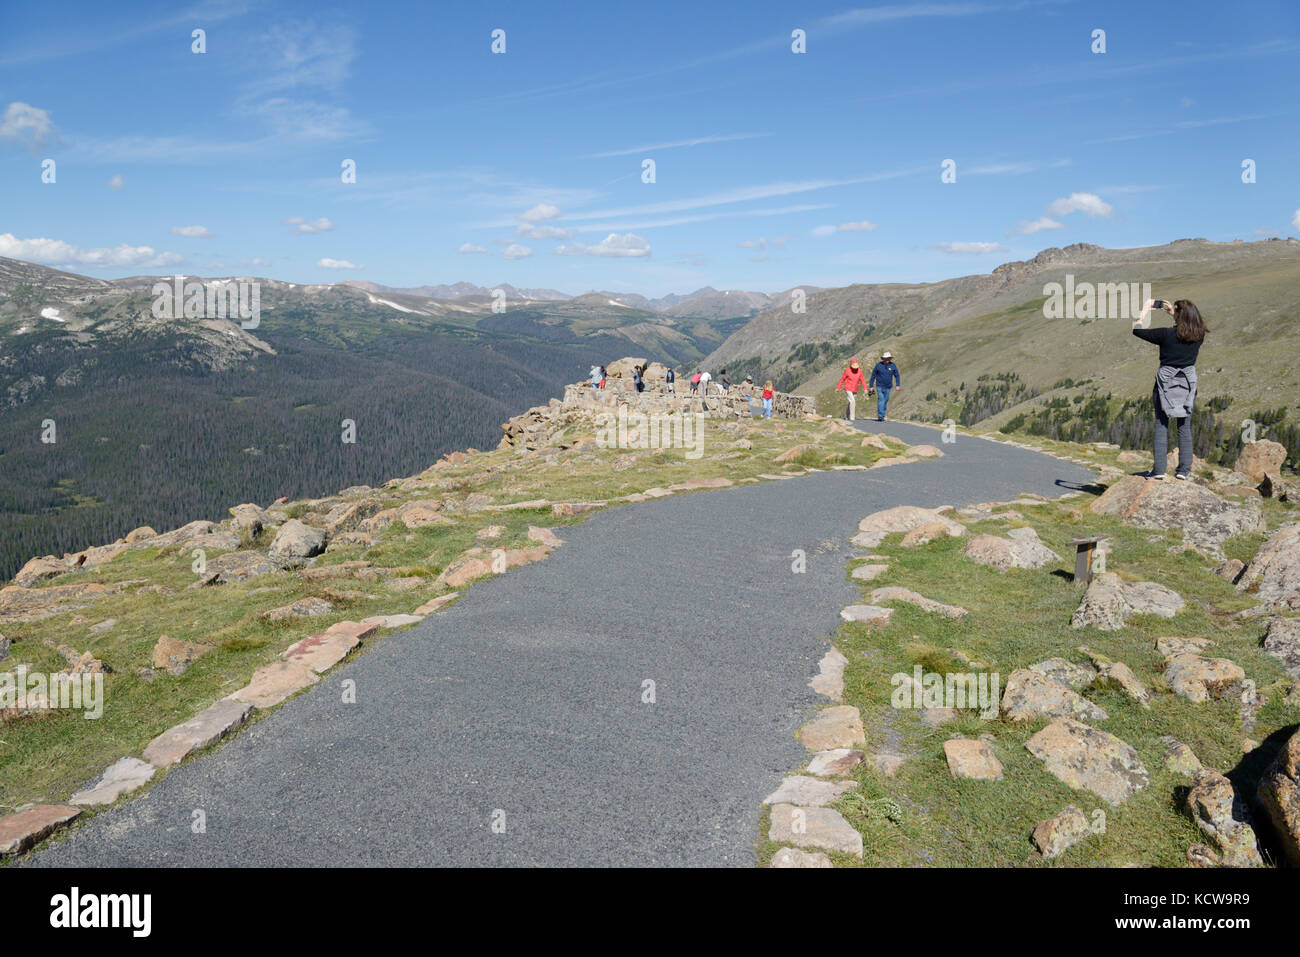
<point x="884" y="379"/>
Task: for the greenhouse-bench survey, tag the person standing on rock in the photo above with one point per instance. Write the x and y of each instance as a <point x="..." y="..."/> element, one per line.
<point x="595" y="377"/>
<point x="1174" y="393"/>
<point x="670" y="380"/>
<point x="850" y="382"/>
<point x="603" y="376"/>
<point x="884" y="379"/>
<point x="695" y="383"/>
<point x="704" y="383"/>
<point x="724" y="382"/>
<point x="638" y="378"/>
<point x="768" y="395"/>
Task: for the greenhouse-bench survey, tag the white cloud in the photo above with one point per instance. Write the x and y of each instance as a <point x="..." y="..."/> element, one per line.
<point x="977" y="249"/>
<point x="1089" y="203"/>
<point x="192" y="232"/>
<point x="540" y="212"/>
<point x="27" y="126"/>
<point x="515" y="251"/>
<point x="625" y="246"/>
<point x="675" y="144"/>
<point x="470" y="248"/>
<point x="336" y="264"/>
<point x="55" y="252"/>
<point x="255" y="261"/>
<point x="116" y="182"/>
<point x="1027" y="228"/>
<point x="862" y="226"/>
<point x="777" y="242"/>
<point x="1295" y="220"/>
<point x="529" y="231"/>
<point x="307" y="227"/>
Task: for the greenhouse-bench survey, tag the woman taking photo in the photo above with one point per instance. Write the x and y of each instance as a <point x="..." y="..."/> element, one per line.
<point x="1174" y="393"/>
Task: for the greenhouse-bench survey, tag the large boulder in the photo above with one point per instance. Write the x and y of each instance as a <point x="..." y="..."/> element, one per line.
<point x="1110" y="601"/>
<point x="1204" y="518"/>
<point x="1020" y="549"/>
<point x="1260" y="459"/>
<point x="1199" y="679"/>
<point x="1224" y="818"/>
<point x="1282" y="641"/>
<point x="873" y="529"/>
<point x="296" y="541"/>
<point x="1084" y="757"/>
<point x="1031" y="696"/>
<point x="38" y="570"/>
<point x="1274" y="573"/>
<point x="1279" y="797"/>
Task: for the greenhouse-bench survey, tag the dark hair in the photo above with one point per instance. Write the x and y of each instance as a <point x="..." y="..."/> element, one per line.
<point x="1187" y="318"/>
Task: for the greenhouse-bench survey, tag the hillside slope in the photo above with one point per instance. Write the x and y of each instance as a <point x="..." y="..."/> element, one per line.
<point x="951" y="333"/>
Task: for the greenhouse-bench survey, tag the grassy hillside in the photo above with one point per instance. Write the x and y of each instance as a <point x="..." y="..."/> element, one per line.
<point x="949" y="334"/>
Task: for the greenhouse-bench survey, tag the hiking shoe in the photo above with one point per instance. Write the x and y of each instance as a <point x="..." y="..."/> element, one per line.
<point x="1180" y="475"/>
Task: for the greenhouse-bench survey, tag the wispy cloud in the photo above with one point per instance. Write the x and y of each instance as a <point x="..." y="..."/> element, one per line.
<point x="970" y="249"/>
<point x="191" y="232"/>
<point x="26" y="126"/>
<point x="678" y="144"/>
<point x="326" y="263"/>
<point x="861" y="226"/>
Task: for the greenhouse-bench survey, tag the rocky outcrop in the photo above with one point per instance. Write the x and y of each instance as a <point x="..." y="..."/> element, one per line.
<point x="1204" y="518"/>
<point x="1273" y="575"/>
<point x="972" y="759"/>
<point x="1020" y="549"/>
<point x="1282" y="641"/>
<point x="1110" y="601"/>
<point x="1224" y="818"/>
<point x="873" y="529"/>
<point x="1260" y="459"/>
<point x="1279" y="798"/>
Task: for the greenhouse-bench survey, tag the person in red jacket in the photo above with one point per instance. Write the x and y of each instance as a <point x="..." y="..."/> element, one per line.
<point x="851" y="382"/>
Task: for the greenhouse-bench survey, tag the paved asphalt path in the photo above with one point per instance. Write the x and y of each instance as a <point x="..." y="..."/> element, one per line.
<point x="525" y="696"/>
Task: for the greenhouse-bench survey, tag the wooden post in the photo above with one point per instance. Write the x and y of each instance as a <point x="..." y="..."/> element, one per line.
<point x="1084" y="548"/>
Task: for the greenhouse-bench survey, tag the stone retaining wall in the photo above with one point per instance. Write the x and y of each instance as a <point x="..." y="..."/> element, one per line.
<point x="583" y="396"/>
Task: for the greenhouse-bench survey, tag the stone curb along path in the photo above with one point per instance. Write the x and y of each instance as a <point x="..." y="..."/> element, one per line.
<point x="507" y="702"/>
<point x="301" y="666"/>
<point x="837" y="735"/>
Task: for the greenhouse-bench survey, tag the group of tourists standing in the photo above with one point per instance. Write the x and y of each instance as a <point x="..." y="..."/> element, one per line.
<point x="1172" y="397"/>
<point x="884" y="380"/>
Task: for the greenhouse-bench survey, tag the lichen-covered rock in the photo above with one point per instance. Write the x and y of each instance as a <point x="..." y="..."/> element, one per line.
<point x="1279" y="797"/>
<point x="1261" y="458"/>
<point x="1084" y="757"/>
<point x="1204" y="518"/>
<point x="1020" y="549"/>
<point x="1282" y="641"/>
<point x="296" y="541"/>
<point x="1224" y="818"/>
<point x="873" y="529"/>
<point x="1030" y="696"/>
<point x="1274" y="572"/>
<point x="1057" y="835"/>
<point x="1076" y="677"/>
<point x="1199" y="679"/>
<point x="1110" y="601"/>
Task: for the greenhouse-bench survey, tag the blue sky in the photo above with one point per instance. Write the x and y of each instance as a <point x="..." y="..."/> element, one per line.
<point x="773" y="169"/>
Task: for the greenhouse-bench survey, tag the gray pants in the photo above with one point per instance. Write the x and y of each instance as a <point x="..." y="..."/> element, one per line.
<point x="1161" y="450"/>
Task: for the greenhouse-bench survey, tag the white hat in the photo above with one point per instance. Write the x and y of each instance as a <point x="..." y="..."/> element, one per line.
<point x="886" y="354"/>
